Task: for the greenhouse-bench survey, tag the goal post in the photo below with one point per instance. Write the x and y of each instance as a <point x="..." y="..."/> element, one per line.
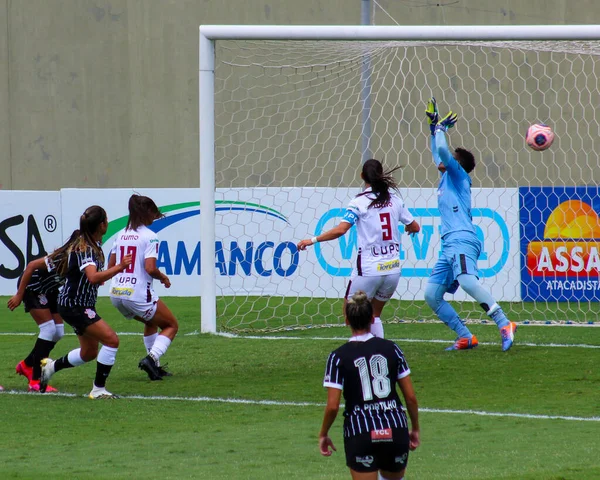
<point x="281" y="136"/>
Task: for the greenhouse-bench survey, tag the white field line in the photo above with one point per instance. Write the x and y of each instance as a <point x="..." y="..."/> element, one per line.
<point x="409" y="340"/>
<point x="341" y="339"/>
<point x="276" y="403"/>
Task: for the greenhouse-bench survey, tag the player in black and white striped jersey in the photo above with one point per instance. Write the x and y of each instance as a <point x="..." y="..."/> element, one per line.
<point x="38" y="288"/>
<point x="80" y="261"/>
<point x="377" y="437"/>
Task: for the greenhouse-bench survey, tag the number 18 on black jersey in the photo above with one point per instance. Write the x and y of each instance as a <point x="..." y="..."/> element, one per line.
<point x="367" y="369"/>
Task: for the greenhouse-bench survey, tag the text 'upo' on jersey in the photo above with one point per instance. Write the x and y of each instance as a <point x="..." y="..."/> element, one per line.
<point x="134" y="283"/>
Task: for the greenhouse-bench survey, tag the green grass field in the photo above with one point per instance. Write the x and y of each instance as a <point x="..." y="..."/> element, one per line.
<point x="250" y="408"/>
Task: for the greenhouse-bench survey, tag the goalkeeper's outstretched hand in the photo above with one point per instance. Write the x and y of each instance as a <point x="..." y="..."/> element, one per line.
<point x="432" y="114"/>
<point x="447" y="122"/>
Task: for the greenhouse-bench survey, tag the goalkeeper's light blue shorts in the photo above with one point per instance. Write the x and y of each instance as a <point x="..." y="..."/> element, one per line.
<point x="460" y="251"/>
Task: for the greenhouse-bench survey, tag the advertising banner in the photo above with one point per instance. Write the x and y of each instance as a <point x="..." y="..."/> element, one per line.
<point x="29" y="228"/>
<point x="560" y="241"/>
<point x="257" y="230"/>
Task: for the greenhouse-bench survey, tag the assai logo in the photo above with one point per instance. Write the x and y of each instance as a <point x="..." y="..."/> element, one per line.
<point x="560" y="244"/>
<point x="179" y="249"/>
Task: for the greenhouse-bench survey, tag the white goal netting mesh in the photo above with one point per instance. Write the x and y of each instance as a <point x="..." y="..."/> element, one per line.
<point x="291" y="134"/>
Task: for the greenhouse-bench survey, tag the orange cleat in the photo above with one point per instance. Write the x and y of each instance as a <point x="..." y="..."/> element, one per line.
<point x="508" y="335"/>
<point x="23" y="369"/>
<point x="464" y="343"/>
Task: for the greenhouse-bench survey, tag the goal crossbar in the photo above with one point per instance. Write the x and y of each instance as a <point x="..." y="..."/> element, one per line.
<point x="208" y="34"/>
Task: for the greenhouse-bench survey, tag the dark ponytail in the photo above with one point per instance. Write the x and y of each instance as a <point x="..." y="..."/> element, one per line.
<point x="381" y="182"/>
<point x="80" y="239"/>
<point x="142" y="211"/>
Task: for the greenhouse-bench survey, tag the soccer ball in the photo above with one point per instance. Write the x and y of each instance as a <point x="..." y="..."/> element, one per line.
<point x="539" y="136"/>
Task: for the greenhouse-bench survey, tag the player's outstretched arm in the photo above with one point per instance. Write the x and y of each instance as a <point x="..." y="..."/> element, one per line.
<point x="335" y="232"/>
<point x="432" y="116"/>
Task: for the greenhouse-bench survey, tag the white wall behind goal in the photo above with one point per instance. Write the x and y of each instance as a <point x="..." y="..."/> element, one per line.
<point x="257" y="230"/>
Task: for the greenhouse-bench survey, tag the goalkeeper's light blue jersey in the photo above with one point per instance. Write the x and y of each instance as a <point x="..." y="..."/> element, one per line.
<point x="454" y="191"/>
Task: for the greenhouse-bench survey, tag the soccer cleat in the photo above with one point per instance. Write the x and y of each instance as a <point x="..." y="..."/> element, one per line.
<point x="508" y="335"/>
<point x="47" y="372"/>
<point x="163" y="372"/>
<point x="464" y="343"/>
<point x="99" y="393"/>
<point x="34" y="386"/>
<point x="148" y="365"/>
<point x="23" y="369"/>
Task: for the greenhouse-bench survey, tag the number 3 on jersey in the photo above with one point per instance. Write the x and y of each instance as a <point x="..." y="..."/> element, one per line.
<point x="386" y="226"/>
<point x="130" y="251"/>
<point x="377" y="368"/>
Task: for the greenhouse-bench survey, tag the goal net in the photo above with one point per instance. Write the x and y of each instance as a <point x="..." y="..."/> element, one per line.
<point x="295" y="119"/>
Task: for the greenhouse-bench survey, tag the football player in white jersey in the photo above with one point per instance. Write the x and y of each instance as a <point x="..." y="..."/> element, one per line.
<point x="376" y="212"/>
<point x="131" y="291"/>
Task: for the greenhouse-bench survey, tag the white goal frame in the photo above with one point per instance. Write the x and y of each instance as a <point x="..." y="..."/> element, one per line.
<point x="209" y="34"/>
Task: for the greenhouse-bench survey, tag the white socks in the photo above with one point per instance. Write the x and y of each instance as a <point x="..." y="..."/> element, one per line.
<point x="107" y="355"/>
<point x="377" y="327"/>
<point x="74" y="357"/>
<point x="59" y="332"/>
<point x="47" y="331"/>
<point x="160" y="346"/>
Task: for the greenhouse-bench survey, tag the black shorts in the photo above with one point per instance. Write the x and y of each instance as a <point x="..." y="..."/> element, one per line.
<point x="40" y="301"/>
<point x="378" y="450"/>
<point x="79" y="317"/>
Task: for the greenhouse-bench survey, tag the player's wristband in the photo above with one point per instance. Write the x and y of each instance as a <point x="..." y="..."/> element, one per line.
<point x="314" y="240"/>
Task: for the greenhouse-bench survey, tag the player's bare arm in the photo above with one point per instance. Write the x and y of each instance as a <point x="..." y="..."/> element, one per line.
<point x="335" y="232"/>
<point x="412" y="228"/>
<point x="412" y="407"/>
<point x="95" y="277"/>
<point x="331" y="410"/>
<point x="39" y="264"/>
<point x="154" y="272"/>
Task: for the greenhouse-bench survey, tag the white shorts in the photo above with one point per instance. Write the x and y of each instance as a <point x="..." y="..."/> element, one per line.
<point x="130" y="309"/>
<point x="381" y="287"/>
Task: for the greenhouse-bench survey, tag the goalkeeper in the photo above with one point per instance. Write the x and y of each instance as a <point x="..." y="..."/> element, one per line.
<point x="457" y="265"/>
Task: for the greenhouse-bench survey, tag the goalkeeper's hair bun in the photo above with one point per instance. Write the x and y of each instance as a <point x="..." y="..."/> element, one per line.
<point x="359" y="311"/>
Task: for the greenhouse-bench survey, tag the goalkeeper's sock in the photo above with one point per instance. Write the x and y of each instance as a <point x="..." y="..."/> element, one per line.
<point x="449" y="316"/>
<point x="377" y="327"/>
<point x="471" y="285"/>
<point x="497" y="315"/>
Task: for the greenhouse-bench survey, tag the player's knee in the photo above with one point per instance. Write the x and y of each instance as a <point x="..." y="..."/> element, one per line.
<point x="88" y="353"/>
<point x="47" y="331"/>
<point x="391" y="475"/>
<point x="112" y="341"/>
<point x="59" y="332"/>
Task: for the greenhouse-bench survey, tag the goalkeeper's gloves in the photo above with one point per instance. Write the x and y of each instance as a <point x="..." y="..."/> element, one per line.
<point x="447" y="122"/>
<point x="432" y="114"/>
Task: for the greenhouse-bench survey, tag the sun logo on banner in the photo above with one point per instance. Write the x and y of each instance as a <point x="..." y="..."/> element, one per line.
<point x="571" y="243"/>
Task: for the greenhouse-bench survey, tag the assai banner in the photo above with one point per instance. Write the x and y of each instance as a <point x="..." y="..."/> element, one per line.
<point x="257" y="230"/>
<point x="560" y="243"/>
<point x="29" y="228"/>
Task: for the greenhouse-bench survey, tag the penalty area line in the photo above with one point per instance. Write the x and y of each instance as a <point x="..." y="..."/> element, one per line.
<point x="278" y="403"/>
